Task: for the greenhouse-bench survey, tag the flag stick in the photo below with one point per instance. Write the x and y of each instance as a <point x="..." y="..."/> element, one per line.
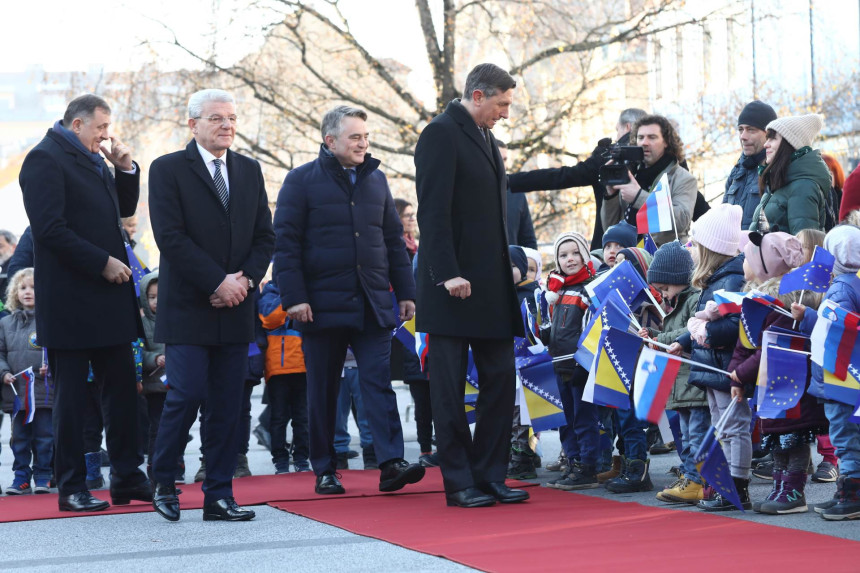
<point x="12" y="386"/>
<point x="672" y="211"/>
<point x="725" y="417"/>
<point x="693" y="362"/>
<point x="799" y="301"/>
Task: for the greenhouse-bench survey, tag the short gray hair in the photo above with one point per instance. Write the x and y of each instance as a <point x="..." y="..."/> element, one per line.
<point x="84" y="107"/>
<point x="197" y="99"/>
<point x="631" y="116"/>
<point x="332" y="122"/>
<point x="9" y="236"/>
<point x="490" y="79"/>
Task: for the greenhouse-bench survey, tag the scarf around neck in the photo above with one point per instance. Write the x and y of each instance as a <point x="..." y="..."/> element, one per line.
<point x="70" y="136"/>
<point x="558" y="281"/>
<point x="647" y="175"/>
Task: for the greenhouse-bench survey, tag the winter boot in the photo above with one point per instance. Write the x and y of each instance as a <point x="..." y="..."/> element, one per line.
<point x="825" y="473"/>
<point x="720" y="503"/>
<point x="580" y="477"/>
<point x="521" y="466"/>
<point x="560" y="465"/>
<point x="242" y="469"/>
<point x="820" y="507"/>
<point x="764" y="470"/>
<point x="656" y="446"/>
<point x="774" y="492"/>
<point x="369" y="457"/>
<point x="848" y="505"/>
<point x="201" y="473"/>
<point x="634" y="477"/>
<point x="682" y="491"/>
<point x="790" y="498"/>
<point x="95" y="480"/>
<point x="613" y="472"/>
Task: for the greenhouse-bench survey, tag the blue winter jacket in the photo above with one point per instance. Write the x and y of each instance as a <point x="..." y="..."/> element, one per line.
<point x="722" y="333"/>
<point x="339" y="244"/>
<point x="844" y="291"/>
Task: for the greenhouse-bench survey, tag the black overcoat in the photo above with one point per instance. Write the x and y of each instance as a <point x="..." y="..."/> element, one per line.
<point x="74" y="214"/>
<point x="201" y="243"/>
<point x="462" y="189"/>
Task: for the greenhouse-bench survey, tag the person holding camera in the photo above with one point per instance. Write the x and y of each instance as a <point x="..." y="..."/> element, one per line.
<point x="662" y="151"/>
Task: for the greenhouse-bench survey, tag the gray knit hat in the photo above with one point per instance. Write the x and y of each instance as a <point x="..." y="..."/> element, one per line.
<point x="843" y="241"/>
<point x="798" y="130"/>
<point x="672" y="265"/>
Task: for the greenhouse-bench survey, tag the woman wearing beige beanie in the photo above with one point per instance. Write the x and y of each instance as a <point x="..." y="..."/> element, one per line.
<point x="795" y="178"/>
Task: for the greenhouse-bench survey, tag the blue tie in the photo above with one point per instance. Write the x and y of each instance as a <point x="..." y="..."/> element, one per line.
<point x="220" y="185"/>
<point x="352" y="175"/>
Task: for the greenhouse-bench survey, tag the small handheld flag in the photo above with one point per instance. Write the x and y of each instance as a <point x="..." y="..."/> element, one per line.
<point x="834" y="339"/>
<point x="655" y="375"/>
<point x="630" y="285"/>
<point x="616" y="367"/>
<point x="612" y="312"/>
<point x="138" y="271"/>
<point x="814" y="275"/>
<point x="787" y="371"/>
<point x="29" y="394"/>
<point x="540" y="388"/>
<point x="655" y="215"/>
<point x="712" y="464"/>
<point x="728" y="302"/>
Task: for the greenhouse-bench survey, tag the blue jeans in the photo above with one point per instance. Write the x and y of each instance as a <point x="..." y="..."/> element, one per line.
<point x="582" y="417"/>
<point x="350" y="391"/>
<point x="632" y="430"/>
<point x="695" y="423"/>
<point x="33" y="442"/>
<point x="845" y="436"/>
<point x="609" y="421"/>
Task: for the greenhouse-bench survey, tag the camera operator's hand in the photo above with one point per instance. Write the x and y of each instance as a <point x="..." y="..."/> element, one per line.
<point x="629" y="191"/>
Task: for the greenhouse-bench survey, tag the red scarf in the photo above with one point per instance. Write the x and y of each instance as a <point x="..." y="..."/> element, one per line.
<point x="411" y="243"/>
<point x="557" y="281"/>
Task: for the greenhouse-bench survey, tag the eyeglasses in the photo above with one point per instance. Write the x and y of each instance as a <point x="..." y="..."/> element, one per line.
<point x="407" y="216"/>
<point x="219" y="120"/>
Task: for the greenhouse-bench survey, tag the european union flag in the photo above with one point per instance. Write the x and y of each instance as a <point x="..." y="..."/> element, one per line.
<point x="138" y="271"/>
<point x="712" y="465"/>
<point x="629" y="284"/>
<point x="787" y="372"/>
<point x="814" y="275"/>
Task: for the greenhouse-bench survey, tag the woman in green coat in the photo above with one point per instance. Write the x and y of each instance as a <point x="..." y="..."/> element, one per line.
<point x="794" y="180"/>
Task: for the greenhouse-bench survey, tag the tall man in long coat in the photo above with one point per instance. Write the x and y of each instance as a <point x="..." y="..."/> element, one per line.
<point x="211" y="220"/>
<point x="466" y="293"/>
<point x="87" y="312"/>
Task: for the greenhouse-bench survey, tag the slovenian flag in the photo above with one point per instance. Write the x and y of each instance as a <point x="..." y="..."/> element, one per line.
<point x="834" y="340"/>
<point x="29" y="394"/>
<point x="655" y="215"/>
<point x="656" y="373"/>
<point x="728" y="302"/>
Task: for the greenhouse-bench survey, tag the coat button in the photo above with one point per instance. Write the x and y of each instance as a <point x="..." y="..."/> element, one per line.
<point x="352" y="203"/>
<point x="357" y="234"/>
<point x="358" y="267"/>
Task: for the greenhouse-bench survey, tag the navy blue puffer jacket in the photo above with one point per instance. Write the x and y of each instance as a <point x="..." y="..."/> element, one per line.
<point x="338" y="245"/>
<point x="722" y="333"/>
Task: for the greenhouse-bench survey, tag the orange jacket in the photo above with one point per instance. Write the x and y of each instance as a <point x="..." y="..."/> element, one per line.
<point x="284" y="352"/>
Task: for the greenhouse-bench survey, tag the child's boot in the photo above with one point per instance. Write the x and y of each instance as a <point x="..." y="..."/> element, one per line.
<point x="790" y="498"/>
<point x="581" y="476"/>
<point x="201" y="473"/>
<point x="560" y="465"/>
<point x="522" y="466"/>
<point x="95" y="480"/>
<point x="242" y="469"/>
<point x="634" y="477"/>
<point x="684" y="490"/>
<point x="774" y="491"/>
<point x="613" y="472"/>
<point x="720" y="503"/>
<point x="848" y="504"/>
<point x="820" y="507"/>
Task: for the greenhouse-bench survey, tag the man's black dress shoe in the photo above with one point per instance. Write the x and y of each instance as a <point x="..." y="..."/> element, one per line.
<point x="328" y="484"/>
<point x="469" y="497"/>
<point x="397" y="473"/>
<point x="165" y="502"/>
<point x="81" y="501"/>
<point x="503" y="493"/>
<point x="124" y="495"/>
<point x="226" y="510"/>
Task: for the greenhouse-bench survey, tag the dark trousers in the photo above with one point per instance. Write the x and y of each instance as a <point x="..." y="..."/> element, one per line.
<point x="197" y="373"/>
<point x="465" y="461"/>
<point x="288" y="400"/>
<point x="325" y="351"/>
<point x="581" y="417"/>
<point x="33" y="442"/>
<point x="420" y="390"/>
<point x="114" y="367"/>
<point x="93" y="418"/>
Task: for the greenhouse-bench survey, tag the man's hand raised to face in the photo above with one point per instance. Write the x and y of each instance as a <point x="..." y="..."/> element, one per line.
<point x="119" y="154"/>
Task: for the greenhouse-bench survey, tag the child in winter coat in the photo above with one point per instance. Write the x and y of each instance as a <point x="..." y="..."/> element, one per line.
<point x="670" y="273"/>
<point x="569" y="302"/>
<point x="787" y="439"/>
<point x="843" y="241"/>
<point x="712" y="341"/>
<point x="32" y="440"/>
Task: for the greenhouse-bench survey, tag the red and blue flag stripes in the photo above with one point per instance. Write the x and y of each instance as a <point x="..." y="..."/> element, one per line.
<point x="656" y="373"/>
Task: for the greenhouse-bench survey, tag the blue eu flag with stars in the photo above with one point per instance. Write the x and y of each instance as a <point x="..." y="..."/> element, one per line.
<point x="814" y="275"/>
<point x="623" y="278"/>
<point x="787" y="371"/>
<point x="713" y="467"/>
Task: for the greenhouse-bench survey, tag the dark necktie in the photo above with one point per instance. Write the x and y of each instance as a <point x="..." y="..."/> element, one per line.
<point x="220" y="185"/>
<point x="352" y="175"/>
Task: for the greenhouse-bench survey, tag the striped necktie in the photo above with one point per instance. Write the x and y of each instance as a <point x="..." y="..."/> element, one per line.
<point x="220" y="185"/>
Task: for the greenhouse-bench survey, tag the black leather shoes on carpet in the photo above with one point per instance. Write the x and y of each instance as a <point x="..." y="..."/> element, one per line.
<point x="397" y="473"/>
<point x="81" y="501"/>
<point x="166" y="502"/>
<point x="226" y="509"/>
<point x="469" y="497"/>
<point x="503" y="493"/>
<point x="124" y="495"/>
<point x="328" y="484"/>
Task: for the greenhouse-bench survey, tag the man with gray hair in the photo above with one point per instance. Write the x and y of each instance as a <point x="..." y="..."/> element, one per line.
<point x="211" y="220"/>
<point x="87" y="312"/>
<point x="338" y="250"/>
<point x="8" y="242"/>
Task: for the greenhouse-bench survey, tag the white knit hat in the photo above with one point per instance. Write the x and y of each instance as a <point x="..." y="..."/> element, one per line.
<point x="581" y="247"/>
<point x="798" y="130"/>
<point x="719" y="229"/>
<point x="534" y="255"/>
<point x="843" y="241"/>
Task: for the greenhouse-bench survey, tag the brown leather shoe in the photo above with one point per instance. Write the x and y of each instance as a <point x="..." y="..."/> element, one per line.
<point x="613" y="472"/>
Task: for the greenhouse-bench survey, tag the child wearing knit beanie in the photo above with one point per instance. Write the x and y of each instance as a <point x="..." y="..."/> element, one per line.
<point x="619" y="236"/>
<point x="670" y="273"/>
<point x="569" y="299"/>
<point x="717" y="236"/>
<point x="843" y="241"/>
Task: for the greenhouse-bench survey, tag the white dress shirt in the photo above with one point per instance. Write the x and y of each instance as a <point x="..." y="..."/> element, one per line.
<point x="209" y="159"/>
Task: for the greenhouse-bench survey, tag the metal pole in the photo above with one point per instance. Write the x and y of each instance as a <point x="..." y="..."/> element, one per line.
<point x="754" y="71"/>
<point x="812" y="55"/>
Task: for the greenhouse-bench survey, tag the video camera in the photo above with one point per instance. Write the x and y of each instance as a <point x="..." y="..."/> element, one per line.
<point x="624" y="158"/>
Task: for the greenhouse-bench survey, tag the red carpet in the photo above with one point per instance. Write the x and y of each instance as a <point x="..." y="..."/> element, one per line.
<point x="255" y="490"/>
<point x="560" y="531"/>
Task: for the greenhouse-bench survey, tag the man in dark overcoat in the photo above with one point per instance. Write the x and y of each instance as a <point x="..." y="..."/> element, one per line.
<point x="211" y="220"/>
<point x="87" y="312"/>
<point x="466" y="292"/>
<point x="338" y="252"/>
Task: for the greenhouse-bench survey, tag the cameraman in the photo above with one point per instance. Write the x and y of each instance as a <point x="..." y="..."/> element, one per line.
<point x="583" y="173"/>
<point x="663" y="151"/>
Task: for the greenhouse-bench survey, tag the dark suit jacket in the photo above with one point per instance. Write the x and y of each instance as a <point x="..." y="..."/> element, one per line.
<point x="521" y="229"/>
<point x="462" y="196"/>
<point x="74" y="216"/>
<point x="339" y="245"/>
<point x="200" y="244"/>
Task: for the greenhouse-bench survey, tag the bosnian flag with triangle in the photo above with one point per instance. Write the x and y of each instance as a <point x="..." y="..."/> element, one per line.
<point x="655" y="215"/>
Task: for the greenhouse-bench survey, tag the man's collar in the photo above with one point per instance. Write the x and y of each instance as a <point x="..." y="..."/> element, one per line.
<point x="207" y="155"/>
